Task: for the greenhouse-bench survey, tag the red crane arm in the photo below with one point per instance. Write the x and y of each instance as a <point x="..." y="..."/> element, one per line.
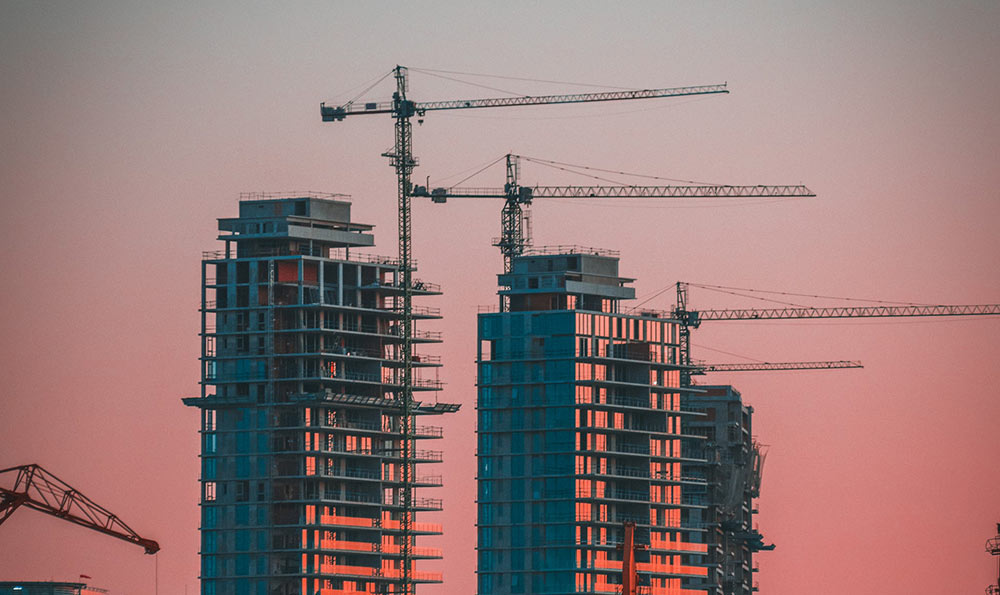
<point x="36" y="488"/>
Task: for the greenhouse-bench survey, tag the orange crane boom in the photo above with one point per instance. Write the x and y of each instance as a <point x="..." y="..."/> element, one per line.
<point x="630" y="569"/>
<point x="36" y="488"/>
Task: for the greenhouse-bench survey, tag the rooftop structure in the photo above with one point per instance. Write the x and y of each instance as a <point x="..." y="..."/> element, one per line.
<point x="302" y="466"/>
<point x="580" y="430"/>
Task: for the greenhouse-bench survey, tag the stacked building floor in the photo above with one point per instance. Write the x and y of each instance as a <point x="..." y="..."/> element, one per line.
<point x="302" y="464"/>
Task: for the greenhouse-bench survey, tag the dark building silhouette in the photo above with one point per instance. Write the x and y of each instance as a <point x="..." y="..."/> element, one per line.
<point x="301" y="446"/>
<point x="580" y="428"/>
<point x="730" y="461"/>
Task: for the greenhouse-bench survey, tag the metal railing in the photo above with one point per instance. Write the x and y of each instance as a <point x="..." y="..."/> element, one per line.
<point x="254" y="196"/>
<point x="568" y="249"/>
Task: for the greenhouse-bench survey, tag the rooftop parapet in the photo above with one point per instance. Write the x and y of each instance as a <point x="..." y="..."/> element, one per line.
<point x="570" y="270"/>
<point x="320" y="221"/>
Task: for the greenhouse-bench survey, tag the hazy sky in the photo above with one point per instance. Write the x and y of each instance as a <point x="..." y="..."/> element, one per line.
<point x="128" y="128"/>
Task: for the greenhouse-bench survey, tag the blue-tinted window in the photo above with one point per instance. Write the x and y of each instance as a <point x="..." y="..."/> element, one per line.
<point x="208" y="566"/>
<point x="242" y="514"/>
<point x="485" y="561"/>
<point x="517" y="466"/>
<point x="209" y="517"/>
<point x="208" y="539"/>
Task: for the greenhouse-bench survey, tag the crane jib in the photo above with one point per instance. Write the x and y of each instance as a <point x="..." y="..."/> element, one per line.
<point x="332" y="114"/>
<point x="526" y="193"/>
<point x="850" y="312"/>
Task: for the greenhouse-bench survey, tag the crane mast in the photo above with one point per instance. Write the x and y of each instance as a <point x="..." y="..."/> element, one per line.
<point x="36" y="488"/>
<point x="401" y="158"/>
<point x="401" y="108"/>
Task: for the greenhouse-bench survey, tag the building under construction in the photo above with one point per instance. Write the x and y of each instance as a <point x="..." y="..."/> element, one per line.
<point x="305" y="468"/>
<point x="581" y="430"/>
<point x="730" y="462"/>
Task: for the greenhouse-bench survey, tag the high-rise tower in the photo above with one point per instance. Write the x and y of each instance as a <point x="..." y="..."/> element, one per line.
<point x="301" y="445"/>
<point x="580" y="427"/>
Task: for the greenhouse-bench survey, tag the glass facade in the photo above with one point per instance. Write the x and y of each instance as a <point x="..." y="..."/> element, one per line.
<point x="301" y="419"/>
<point x="580" y="431"/>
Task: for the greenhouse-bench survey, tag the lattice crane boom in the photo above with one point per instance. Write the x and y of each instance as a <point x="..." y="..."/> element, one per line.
<point x="846" y="312"/>
<point x="337" y="113"/>
<point x="36" y="488"/>
<point x="527" y="193"/>
<point x="775" y="366"/>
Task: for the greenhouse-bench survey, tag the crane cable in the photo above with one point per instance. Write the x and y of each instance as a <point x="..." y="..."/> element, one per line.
<point x="753" y="359"/>
<point x="368" y="88"/>
<point x="448" y="78"/>
<point x="611" y="171"/>
<point x="517" y="78"/>
<point x="720" y="288"/>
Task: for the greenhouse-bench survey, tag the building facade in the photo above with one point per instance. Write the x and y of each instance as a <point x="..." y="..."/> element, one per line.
<point x="301" y="415"/>
<point x="580" y="429"/>
<point x="731" y="462"/>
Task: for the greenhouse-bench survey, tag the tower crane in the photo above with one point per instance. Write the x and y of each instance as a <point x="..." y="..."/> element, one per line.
<point x="402" y="109"/>
<point x="36" y="488"/>
<point x="692" y="319"/>
<point x="513" y="237"/>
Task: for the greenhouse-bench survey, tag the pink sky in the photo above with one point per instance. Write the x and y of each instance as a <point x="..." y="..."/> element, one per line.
<point x="128" y="130"/>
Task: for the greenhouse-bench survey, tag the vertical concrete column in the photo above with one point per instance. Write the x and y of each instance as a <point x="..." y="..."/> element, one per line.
<point x="357" y="283"/>
<point x="340" y="284"/>
<point x="301" y="263"/>
<point x="322" y="281"/>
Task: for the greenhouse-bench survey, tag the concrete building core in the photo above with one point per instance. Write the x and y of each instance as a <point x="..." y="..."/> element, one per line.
<point x="580" y="429"/>
<point x="301" y="412"/>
